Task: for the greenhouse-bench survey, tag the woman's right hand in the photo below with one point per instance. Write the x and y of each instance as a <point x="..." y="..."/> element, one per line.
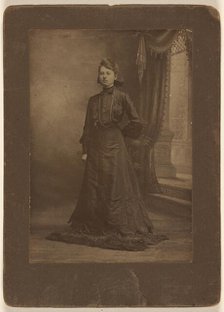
<point x="84" y="157"/>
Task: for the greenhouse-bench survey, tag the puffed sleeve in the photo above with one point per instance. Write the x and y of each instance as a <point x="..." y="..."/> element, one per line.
<point x="134" y="128"/>
<point x="84" y="140"/>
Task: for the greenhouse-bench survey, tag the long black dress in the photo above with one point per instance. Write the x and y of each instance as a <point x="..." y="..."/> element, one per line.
<point x="110" y="198"/>
<point x="110" y="211"/>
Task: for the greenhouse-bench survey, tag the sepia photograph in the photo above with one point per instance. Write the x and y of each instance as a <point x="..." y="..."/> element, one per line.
<point x="111" y="156"/>
<point x="111" y="151"/>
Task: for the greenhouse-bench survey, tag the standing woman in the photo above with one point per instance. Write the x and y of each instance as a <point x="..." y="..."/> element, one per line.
<point x="110" y="212"/>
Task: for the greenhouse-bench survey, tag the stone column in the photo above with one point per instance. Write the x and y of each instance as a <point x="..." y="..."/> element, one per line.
<point x="180" y="113"/>
<point x="163" y="165"/>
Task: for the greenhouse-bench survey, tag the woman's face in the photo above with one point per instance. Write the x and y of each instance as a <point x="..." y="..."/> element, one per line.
<point x="106" y="77"/>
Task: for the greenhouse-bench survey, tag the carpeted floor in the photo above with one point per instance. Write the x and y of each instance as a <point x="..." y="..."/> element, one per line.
<point x="177" y="249"/>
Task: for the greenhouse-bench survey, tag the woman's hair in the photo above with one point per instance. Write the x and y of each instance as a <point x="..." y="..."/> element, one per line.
<point x="110" y="64"/>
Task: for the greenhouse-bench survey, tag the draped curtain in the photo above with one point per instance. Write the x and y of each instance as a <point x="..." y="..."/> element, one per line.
<point x="153" y="70"/>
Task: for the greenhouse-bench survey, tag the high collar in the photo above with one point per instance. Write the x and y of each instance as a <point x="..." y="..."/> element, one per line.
<point x="108" y="90"/>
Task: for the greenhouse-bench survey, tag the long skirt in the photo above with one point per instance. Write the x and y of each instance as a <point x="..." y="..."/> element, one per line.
<point x="110" y="212"/>
<point x="110" y="198"/>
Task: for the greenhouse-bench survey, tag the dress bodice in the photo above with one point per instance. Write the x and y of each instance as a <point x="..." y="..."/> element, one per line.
<point x="106" y="109"/>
